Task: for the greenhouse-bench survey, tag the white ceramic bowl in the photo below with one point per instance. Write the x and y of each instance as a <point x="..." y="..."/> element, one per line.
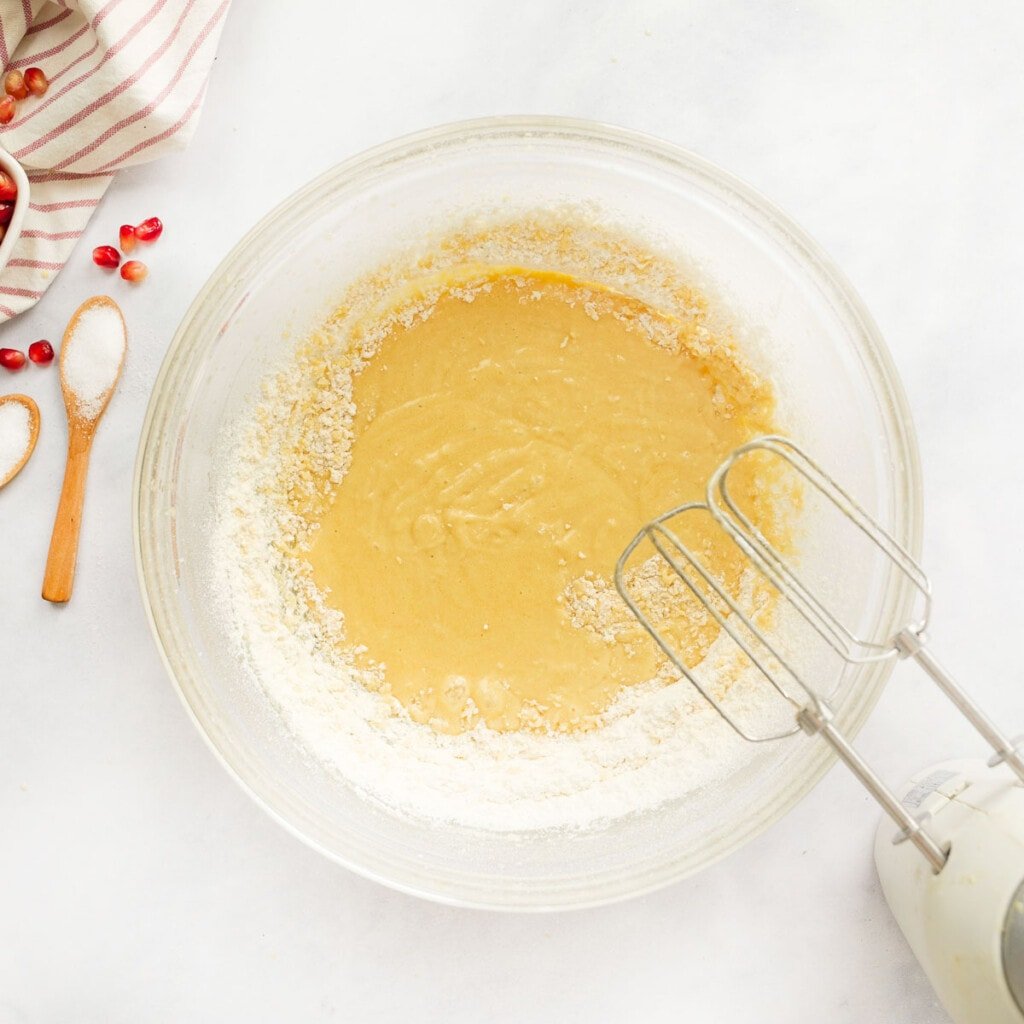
<point x="841" y="392"/>
<point x="15" y="170"/>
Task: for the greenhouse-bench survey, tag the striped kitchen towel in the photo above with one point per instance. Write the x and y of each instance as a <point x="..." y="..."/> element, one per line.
<point x="127" y="79"/>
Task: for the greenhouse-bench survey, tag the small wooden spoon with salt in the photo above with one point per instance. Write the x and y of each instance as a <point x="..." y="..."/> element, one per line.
<point x="19" y="430"/>
<point x="91" y="358"/>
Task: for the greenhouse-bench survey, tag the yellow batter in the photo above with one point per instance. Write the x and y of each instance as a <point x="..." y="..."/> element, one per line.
<point x="503" y="448"/>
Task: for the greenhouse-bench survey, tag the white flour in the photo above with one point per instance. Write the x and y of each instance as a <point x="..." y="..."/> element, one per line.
<point x="15" y="435"/>
<point x="656" y="743"/>
<point x="92" y="356"/>
<point x="659" y="742"/>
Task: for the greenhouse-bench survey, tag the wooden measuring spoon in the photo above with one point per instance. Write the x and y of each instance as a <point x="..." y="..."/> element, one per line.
<point x="99" y="331"/>
<point x="33" y="434"/>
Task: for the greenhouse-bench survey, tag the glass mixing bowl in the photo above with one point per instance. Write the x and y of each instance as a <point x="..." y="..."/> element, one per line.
<point x="806" y="329"/>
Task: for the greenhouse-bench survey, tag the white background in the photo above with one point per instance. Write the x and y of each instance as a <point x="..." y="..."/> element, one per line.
<point x="138" y="883"/>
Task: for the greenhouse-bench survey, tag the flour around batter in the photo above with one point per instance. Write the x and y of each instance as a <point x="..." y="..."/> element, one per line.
<point x="418" y="520"/>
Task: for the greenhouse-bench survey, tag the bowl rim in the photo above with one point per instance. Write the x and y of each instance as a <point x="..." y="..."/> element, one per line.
<point x="886" y="382"/>
<point x="17" y="172"/>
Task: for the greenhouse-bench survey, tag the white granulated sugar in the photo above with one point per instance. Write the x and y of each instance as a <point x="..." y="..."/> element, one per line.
<point x="15" y="435"/>
<point x="655" y="744"/>
<point x="92" y="357"/>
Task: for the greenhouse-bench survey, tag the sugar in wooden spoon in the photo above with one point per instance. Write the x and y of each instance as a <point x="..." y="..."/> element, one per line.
<point x="19" y="429"/>
<point x="91" y="358"/>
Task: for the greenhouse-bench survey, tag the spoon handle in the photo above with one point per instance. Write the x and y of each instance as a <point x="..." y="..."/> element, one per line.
<point x="60" y="563"/>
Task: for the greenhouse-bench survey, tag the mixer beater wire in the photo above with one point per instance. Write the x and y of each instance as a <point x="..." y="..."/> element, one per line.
<point x="811" y="710"/>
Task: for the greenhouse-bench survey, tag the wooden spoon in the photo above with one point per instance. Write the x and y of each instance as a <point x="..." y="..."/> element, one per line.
<point x="84" y="411"/>
<point x="33" y="433"/>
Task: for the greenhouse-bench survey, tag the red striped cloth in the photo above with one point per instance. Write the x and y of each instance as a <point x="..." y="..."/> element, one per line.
<point x="127" y="79"/>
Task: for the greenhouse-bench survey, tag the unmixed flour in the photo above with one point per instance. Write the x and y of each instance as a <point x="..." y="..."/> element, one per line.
<point x="657" y="742"/>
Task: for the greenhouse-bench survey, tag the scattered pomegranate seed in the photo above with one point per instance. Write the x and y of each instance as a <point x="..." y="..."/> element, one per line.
<point x="106" y="256"/>
<point x="11" y="359"/>
<point x="127" y="235"/>
<point x="14" y="85"/>
<point x="149" y="230"/>
<point x="36" y="81"/>
<point x="6" y="213"/>
<point x="8" y="190"/>
<point x="41" y="352"/>
<point x="134" y="271"/>
<point x="7" y="109"/>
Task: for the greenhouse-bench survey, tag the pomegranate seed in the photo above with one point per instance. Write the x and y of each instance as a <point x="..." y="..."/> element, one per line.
<point x="41" y="352"/>
<point x="36" y="81"/>
<point x="7" y="109"/>
<point x="6" y="213"/>
<point x="149" y="230"/>
<point x="106" y="256"/>
<point x="14" y="85"/>
<point x="127" y="235"/>
<point x="8" y="190"/>
<point x="11" y="359"/>
<point x="134" y="271"/>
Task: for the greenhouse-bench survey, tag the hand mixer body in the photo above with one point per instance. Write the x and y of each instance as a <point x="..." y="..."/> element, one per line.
<point x="956" y="885"/>
<point x="965" y="924"/>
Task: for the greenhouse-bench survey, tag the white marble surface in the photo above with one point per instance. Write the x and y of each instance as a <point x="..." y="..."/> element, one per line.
<point x="137" y="883"/>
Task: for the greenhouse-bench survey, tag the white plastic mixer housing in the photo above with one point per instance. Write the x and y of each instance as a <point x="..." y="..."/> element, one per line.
<point x="965" y="923"/>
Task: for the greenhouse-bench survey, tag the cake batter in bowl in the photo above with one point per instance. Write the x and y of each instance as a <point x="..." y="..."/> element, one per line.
<point x="421" y="803"/>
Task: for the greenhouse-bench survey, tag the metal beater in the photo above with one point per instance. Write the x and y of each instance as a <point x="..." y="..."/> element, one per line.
<point x="962" y="811"/>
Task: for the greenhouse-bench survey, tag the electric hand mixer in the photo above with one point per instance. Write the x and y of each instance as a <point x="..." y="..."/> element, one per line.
<point x="954" y="872"/>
